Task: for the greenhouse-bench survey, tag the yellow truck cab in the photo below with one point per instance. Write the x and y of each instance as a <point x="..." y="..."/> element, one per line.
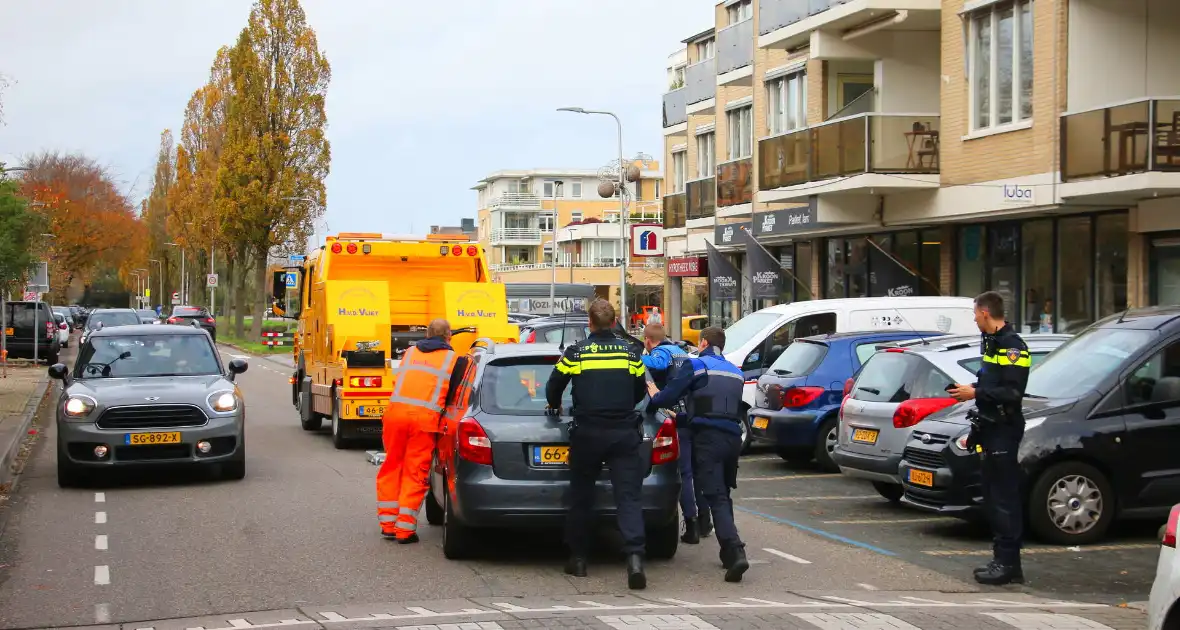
<point x="362" y="300"/>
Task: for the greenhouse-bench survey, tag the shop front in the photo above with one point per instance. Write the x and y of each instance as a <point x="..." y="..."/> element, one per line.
<point x="907" y="262"/>
<point x="776" y="231"/>
<point x="729" y="295"/>
<point x="688" y="284"/>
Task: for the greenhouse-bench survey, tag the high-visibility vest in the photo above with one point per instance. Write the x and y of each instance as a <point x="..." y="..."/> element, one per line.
<point x="422" y="378"/>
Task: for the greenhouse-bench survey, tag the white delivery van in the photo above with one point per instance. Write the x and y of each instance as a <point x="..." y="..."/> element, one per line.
<point x="756" y="340"/>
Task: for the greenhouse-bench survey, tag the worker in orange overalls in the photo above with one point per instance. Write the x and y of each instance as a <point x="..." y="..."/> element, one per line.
<point x="408" y="429"/>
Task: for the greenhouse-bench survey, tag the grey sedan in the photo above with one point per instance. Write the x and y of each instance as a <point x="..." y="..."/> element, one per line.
<point x="149" y="395"/>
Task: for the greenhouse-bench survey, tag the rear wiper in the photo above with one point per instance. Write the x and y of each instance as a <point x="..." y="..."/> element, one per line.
<point x="872" y="390"/>
<point x="1034" y="396"/>
<point x="782" y="372"/>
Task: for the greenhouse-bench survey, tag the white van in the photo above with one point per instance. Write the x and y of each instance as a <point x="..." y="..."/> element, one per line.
<point x="756" y="340"/>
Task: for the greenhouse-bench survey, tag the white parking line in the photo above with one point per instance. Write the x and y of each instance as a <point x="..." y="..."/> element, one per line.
<point x="866" y="586"/>
<point x="102" y="575"/>
<point x="100" y="517"/>
<point x="1047" y="621"/>
<point x="783" y="554"/>
<point x="852" y="498"/>
<point x="102" y="613"/>
<point x="789" y="477"/>
<point x="897" y="521"/>
<point x="855" y="621"/>
<point x="100" y="497"/>
<point x="100" y="542"/>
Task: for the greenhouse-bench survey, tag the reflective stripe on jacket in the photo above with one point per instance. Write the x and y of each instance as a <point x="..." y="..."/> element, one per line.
<point x="422" y="378"/>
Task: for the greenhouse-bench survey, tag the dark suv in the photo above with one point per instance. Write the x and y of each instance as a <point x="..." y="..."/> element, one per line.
<point x="27" y="323"/>
<point x="1102" y="424"/>
<point x="186" y="315"/>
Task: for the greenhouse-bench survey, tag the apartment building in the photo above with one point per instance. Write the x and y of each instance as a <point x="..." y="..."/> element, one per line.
<point x="936" y="147"/>
<point x="522" y="213"/>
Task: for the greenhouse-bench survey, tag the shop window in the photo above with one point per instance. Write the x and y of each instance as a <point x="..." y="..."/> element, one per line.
<point x="1075" y="271"/>
<point x="930" y="262"/>
<point x="1036" y="277"/>
<point x="801" y="283"/>
<point x="858" y="268"/>
<point x="694" y="296"/>
<point x="1110" y="238"/>
<point x="970" y="267"/>
<point x="1004" y="265"/>
<point x="834" y="287"/>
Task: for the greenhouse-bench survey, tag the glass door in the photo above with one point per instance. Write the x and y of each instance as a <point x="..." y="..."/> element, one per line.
<point x="1165" y="271"/>
<point x="1004" y="258"/>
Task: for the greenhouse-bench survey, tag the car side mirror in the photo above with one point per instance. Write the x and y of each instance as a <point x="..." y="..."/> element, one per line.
<point x="60" y="372"/>
<point x="237" y="366"/>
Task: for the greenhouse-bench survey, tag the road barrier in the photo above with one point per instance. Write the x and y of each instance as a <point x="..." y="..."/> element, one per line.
<point x="276" y="338"/>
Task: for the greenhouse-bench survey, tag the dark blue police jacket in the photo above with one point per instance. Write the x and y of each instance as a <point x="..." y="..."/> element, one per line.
<point x="713" y="387"/>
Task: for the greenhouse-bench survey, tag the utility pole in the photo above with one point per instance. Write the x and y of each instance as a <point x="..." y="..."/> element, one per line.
<point x="553" y="259"/>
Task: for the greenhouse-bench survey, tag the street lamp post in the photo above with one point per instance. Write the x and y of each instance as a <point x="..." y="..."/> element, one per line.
<point x="161" y="278"/>
<point x="138" y="289"/>
<point x="622" y="207"/>
<point x="553" y="258"/>
<point x="181" y="270"/>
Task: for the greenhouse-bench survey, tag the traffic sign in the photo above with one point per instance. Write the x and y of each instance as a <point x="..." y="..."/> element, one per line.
<point x="31" y="296"/>
<point x="292" y="279"/>
<point x="211" y="279"/>
<point x="296" y="258"/>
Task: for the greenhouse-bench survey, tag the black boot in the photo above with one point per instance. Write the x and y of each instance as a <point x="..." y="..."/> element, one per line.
<point x="576" y="566"/>
<point x="1000" y="574"/>
<point x="985" y="568"/>
<point x="636" y="579"/>
<point x="408" y="540"/>
<point x="692" y="535"/>
<point x="704" y="523"/>
<point x="738" y="564"/>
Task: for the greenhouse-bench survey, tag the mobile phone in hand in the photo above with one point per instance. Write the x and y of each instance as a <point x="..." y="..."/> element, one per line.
<point x="951" y="387"/>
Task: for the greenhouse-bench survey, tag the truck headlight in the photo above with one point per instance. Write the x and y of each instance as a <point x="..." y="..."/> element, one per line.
<point x="79" y="406"/>
<point x="223" y="401"/>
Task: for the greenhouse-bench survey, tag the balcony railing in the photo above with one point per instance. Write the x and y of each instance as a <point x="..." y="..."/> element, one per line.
<point x="674" y="107"/>
<point x="517" y="200"/>
<point x="581" y="263"/>
<point x="517" y="235"/>
<point x="735" y="182"/>
<point x="701" y="202"/>
<point x="1121" y="140"/>
<point x="674" y="211"/>
<point x="700" y="81"/>
<point x="775" y="14"/>
<point x="735" y="46"/>
<point x="867" y="143"/>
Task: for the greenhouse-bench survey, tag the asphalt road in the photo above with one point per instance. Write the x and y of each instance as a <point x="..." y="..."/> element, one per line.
<point x="300" y="534"/>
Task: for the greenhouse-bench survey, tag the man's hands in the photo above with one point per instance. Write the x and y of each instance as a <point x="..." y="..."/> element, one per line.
<point x="962" y="393"/>
<point x="652" y="389"/>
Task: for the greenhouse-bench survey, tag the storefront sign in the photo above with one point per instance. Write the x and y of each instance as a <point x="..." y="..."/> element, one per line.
<point x="1023" y="195"/>
<point x="695" y="267"/>
<point x="724" y="279"/>
<point x="728" y="235"/>
<point x="785" y="221"/>
<point x="766" y="274"/>
<point x="647" y="239"/>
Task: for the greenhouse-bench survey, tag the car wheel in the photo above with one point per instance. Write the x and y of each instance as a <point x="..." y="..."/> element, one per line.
<point x="825" y="445"/>
<point x="68" y="475"/>
<point x="339" y="440"/>
<point x="891" y="491"/>
<point x="795" y="455"/>
<point x="663" y="540"/>
<point x="746" y="435"/>
<point x="456" y="537"/>
<point x="308" y="419"/>
<point x="1071" y="503"/>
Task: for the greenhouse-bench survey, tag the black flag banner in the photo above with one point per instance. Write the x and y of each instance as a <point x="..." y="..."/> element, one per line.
<point x="724" y="279"/>
<point x="888" y="277"/>
<point x="766" y="273"/>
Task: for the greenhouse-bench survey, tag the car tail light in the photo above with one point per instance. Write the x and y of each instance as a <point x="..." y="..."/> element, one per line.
<point x="172" y="320"/>
<point x="474" y="445"/>
<point x="894" y="349"/>
<point x="472" y="250"/>
<point x="665" y="446"/>
<point x="1170" y="531"/>
<point x="795" y="397"/>
<point x="532" y="338"/>
<point x="352" y="248"/>
<point x="337" y="248"/>
<point x="50" y="329"/>
<point x="912" y="411"/>
<point x="62" y="327"/>
<point x="210" y="320"/>
<point x="364" y="381"/>
<point x="457" y="250"/>
<point x="848" y="386"/>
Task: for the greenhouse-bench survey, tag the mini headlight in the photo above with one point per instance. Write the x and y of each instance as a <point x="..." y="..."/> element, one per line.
<point x="76" y="407"/>
<point x="223" y="401"/>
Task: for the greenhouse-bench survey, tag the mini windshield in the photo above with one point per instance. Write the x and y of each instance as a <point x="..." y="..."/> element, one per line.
<point x="113" y="318"/>
<point x="146" y="355"/>
<point x="744" y="329"/>
<point x="1082" y="363"/>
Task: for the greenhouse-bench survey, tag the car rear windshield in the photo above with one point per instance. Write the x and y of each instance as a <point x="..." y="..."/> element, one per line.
<point x="187" y="311"/>
<point x="800" y="358"/>
<point x="883" y="377"/>
<point x="1084" y="362"/>
<point x="115" y="318"/>
<point x="744" y="329"/>
<point x="21" y="315"/>
<point x="146" y="355"/>
<point x="516" y="387"/>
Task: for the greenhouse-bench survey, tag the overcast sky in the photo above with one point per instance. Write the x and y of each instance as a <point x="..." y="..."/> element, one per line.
<point x="426" y="97"/>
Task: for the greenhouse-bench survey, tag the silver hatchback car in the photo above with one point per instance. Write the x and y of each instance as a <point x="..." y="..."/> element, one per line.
<point x="896" y="388"/>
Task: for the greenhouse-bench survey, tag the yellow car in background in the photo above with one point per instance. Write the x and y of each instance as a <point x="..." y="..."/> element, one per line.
<point x="691" y="327"/>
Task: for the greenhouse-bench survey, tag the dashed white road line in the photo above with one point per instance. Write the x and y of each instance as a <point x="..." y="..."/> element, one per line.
<point x="100" y="518"/>
<point x="866" y="586"/>
<point x="783" y="554"/>
<point x="100" y="497"/>
<point x="102" y="575"/>
<point x="100" y="542"/>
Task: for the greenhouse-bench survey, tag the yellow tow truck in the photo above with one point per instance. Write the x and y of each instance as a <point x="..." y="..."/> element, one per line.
<point x="362" y="300"/>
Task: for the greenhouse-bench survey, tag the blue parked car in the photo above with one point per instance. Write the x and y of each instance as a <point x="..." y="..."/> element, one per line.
<point x="797" y="401"/>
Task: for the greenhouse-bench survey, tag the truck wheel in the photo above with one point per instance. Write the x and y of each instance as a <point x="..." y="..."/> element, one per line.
<point x="1071" y="503"/>
<point x="825" y="445"/>
<point x="663" y="540"/>
<point x="339" y="439"/>
<point x="308" y="419"/>
<point x="456" y="537"/>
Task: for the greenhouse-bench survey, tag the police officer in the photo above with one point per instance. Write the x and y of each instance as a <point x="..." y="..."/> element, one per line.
<point x="608" y="378"/>
<point x="997" y="429"/>
<point x="712" y="389"/>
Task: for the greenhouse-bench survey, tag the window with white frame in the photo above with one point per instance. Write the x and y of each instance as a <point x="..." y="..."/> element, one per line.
<point x="552" y="188"/>
<point x="576" y="216"/>
<point x="610" y="216"/>
<point x="787" y="96"/>
<point x="679" y="173"/>
<point x="743" y="10"/>
<point x="576" y="190"/>
<point x="706" y="155"/>
<point x="545" y="222"/>
<point x="741" y="132"/>
<point x="513" y="186"/>
<point x="1000" y="64"/>
<point x="706" y="49"/>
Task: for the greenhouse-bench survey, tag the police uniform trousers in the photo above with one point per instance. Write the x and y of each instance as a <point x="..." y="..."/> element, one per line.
<point x="715" y="464"/>
<point x="592" y="445"/>
<point x="1002" y="496"/>
<point x="692" y="502"/>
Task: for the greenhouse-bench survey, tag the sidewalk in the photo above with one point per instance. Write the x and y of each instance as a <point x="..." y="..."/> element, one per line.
<point x="20" y="394"/>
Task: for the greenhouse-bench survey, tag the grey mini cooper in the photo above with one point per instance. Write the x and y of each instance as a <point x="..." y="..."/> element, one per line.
<point x="149" y="395"/>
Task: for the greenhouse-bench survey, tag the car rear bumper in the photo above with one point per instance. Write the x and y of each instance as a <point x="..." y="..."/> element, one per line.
<point x="784" y="428"/>
<point x="957" y="488"/>
<point x="863" y="466"/>
<point x="78" y="439"/>
<point x="23" y="348"/>
<point x="1165" y="590"/>
<point x="480" y="499"/>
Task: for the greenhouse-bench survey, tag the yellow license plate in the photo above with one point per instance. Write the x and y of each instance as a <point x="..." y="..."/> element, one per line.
<point x="921" y="477"/>
<point x="10" y="332"/>
<point x="550" y="455"/>
<point x="865" y="436"/>
<point x="144" y="439"/>
<point x="761" y="423"/>
<point x="370" y="411"/>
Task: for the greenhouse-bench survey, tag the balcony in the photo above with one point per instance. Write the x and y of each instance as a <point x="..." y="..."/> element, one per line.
<point x="674" y="107"/>
<point x="674" y="211"/>
<point x="516" y="236"/>
<point x="789" y="23"/>
<point x="735" y="46"/>
<point x="735" y="182"/>
<point x="701" y="198"/>
<point x="700" y="81"/>
<point x="1126" y="151"/>
<point x="515" y="201"/>
<point x="848" y="147"/>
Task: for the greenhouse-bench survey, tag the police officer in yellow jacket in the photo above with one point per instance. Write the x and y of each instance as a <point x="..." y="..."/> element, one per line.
<point x="608" y="380"/>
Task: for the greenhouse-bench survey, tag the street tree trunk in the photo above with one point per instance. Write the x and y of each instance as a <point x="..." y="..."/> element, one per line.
<point x="260" y="294"/>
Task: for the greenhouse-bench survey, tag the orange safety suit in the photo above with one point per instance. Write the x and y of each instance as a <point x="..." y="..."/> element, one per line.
<point x="408" y="430"/>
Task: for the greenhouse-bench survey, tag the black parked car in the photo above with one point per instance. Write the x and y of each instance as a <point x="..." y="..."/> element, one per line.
<point x="27" y="323"/>
<point x="186" y="315"/>
<point x="1102" y="428"/>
